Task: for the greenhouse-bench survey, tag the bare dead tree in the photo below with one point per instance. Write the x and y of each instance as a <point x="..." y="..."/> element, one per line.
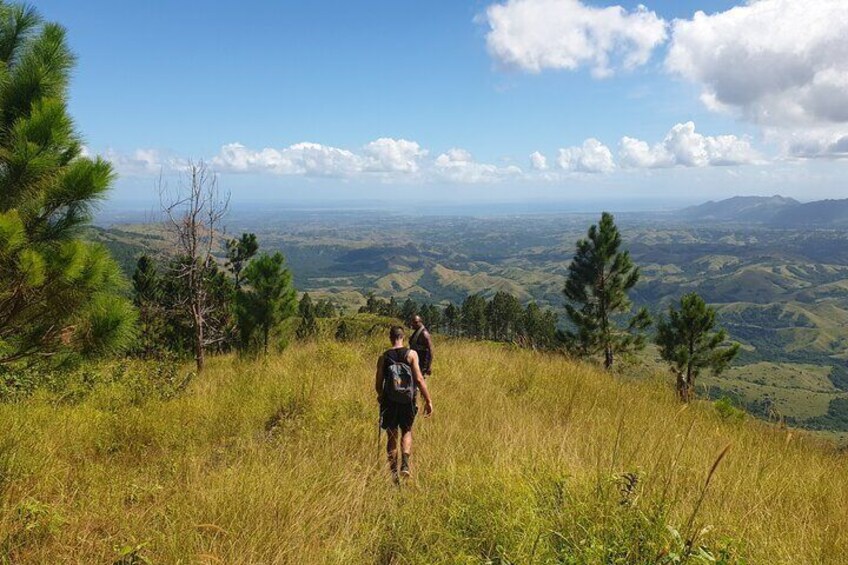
<point x="193" y="215"/>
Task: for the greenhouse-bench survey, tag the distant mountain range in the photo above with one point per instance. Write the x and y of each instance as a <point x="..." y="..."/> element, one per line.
<point x="776" y="211"/>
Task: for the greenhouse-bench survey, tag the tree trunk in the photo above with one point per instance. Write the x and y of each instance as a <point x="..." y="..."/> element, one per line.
<point x="682" y="387"/>
<point x="198" y="344"/>
<point x="609" y="357"/>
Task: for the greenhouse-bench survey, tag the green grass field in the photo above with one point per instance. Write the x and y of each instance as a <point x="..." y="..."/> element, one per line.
<point x="528" y="458"/>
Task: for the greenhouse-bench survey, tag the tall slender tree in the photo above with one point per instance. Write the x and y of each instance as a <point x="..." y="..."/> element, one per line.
<point x="148" y="295"/>
<point x="473" y="317"/>
<point x="409" y="309"/>
<point x="452" y="319"/>
<point x="267" y="300"/>
<point x="690" y="342"/>
<point x="59" y="294"/>
<point x="325" y="308"/>
<point x="432" y="317"/>
<point x="504" y="316"/>
<point x="599" y="278"/>
<point x="239" y="252"/>
<point x="308" y="326"/>
<point x="538" y="328"/>
<point x="194" y="213"/>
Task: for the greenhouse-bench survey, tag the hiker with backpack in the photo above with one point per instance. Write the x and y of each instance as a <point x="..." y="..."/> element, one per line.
<point x="397" y="382"/>
<point x="421" y="342"/>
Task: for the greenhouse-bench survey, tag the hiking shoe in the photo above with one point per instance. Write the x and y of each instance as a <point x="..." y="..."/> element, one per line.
<point x="404" y="466"/>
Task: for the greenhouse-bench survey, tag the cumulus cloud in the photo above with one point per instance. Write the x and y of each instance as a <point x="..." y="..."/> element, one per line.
<point x="393" y="155"/>
<point x="782" y="64"/>
<point x="533" y="35"/>
<point x="458" y="165"/>
<point x="308" y="159"/>
<point x="538" y="162"/>
<point x="685" y="147"/>
<point x="141" y="162"/>
<point x="389" y="159"/>
<point x="592" y="157"/>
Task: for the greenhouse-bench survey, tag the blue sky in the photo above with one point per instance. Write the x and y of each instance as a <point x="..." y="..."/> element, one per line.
<point x="159" y="82"/>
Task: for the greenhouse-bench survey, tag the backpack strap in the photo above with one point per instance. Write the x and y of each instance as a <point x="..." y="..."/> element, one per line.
<point x="397" y="355"/>
<point x="416" y="338"/>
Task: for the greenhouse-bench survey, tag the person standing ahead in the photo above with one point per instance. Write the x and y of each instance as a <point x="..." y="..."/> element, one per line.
<point x="397" y="382"/>
<point x="421" y="342"/>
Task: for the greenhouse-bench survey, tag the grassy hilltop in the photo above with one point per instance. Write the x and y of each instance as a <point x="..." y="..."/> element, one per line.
<point x="529" y="458"/>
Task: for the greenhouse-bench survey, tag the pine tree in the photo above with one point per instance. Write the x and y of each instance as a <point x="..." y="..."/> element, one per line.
<point x="690" y="342"/>
<point x="392" y="309"/>
<point x="325" y="308"/>
<point x="599" y="278"/>
<point x="308" y="326"/>
<point x="504" y="314"/>
<point x="147" y="283"/>
<point x="538" y="327"/>
<point x="371" y="306"/>
<point x="473" y="314"/>
<point x="59" y="295"/>
<point x="148" y="295"/>
<point x="267" y="300"/>
<point x="343" y="332"/>
<point x="239" y="252"/>
<point x="409" y="309"/>
<point x="452" y="319"/>
<point x="432" y="317"/>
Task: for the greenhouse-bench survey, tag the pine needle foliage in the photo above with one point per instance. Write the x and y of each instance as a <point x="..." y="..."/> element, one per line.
<point x="599" y="278"/>
<point x="308" y="327"/>
<point x="690" y="342"/>
<point x="59" y="295"/>
<point x="268" y="299"/>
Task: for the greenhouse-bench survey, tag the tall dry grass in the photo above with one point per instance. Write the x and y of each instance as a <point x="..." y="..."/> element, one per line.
<point x="528" y="458"/>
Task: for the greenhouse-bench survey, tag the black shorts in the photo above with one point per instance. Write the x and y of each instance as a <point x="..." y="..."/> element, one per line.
<point x="394" y="415"/>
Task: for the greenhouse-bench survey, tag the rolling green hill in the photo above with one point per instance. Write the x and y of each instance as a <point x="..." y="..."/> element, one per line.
<point x="742" y="209"/>
<point x="774" y="211"/>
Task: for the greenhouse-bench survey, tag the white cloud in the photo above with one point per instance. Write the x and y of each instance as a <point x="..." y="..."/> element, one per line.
<point x="782" y="64"/>
<point x="393" y="155"/>
<point x="141" y="162"/>
<point x="684" y="147"/>
<point x="592" y="157"/>
<point x="534" y="35"/>
<point x="390" y="159"/>
<point x="457" y="165"/>
<point x="538" y="162"/>
<point x="308" y="159"/>
<point x="817" y="145"/>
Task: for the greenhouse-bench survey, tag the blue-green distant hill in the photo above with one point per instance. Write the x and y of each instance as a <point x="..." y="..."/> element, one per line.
<point x="773" y="211"/>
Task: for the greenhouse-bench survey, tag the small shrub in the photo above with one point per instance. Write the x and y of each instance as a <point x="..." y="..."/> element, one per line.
<point x="728" y="411"/>
<point x="131" y="555"/>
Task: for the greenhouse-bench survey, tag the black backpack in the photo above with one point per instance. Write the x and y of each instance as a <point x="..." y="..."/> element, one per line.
<point x="398" y="382"/>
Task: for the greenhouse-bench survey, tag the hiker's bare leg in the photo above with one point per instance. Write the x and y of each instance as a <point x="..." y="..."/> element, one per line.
<point x="391" y="447"/>
<point x="406" y="442"/>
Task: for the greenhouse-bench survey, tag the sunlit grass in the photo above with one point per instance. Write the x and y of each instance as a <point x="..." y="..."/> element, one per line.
<point x="528" y="458"/>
